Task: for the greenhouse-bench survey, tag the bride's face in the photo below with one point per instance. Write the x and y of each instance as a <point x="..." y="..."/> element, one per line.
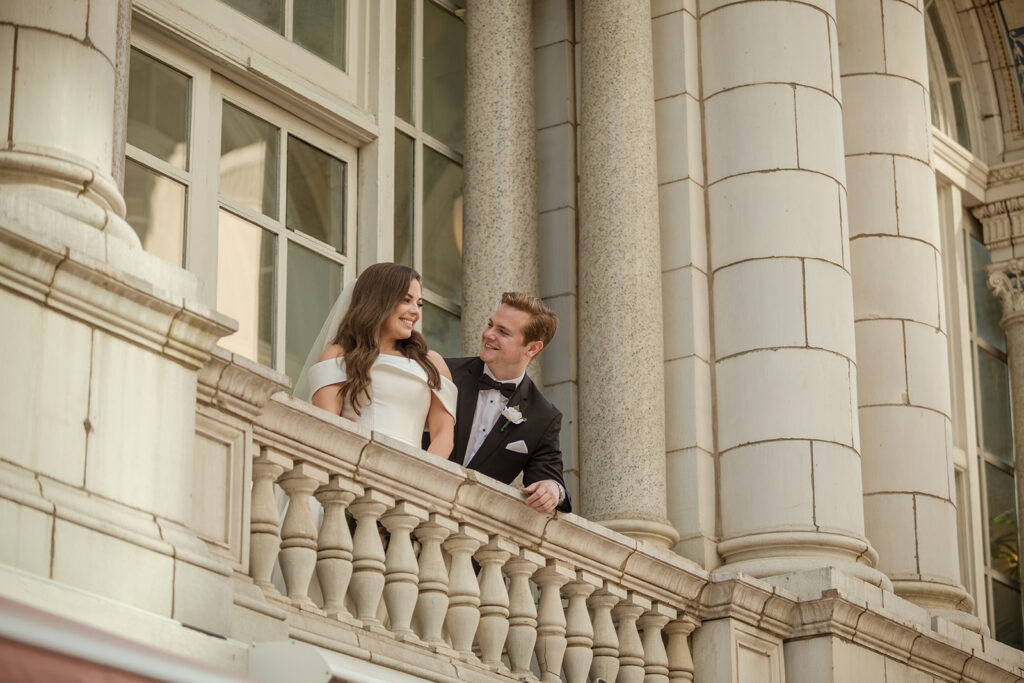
<point x="400" y="323"/>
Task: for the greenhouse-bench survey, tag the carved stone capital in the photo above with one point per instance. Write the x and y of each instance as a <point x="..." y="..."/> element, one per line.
<point x="1002" y="225"/>
<point x="1006" y="280"/>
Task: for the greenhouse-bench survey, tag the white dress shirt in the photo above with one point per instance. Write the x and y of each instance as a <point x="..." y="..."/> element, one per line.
<point x="489" y="404"/>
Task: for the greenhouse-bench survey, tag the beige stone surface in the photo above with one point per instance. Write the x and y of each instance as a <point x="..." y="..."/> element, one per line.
<point x="893" y="129"/>
<point x="25" y="537"/>
<point x="875" y="212"/>
<point x="829" y="307"/>
<point x="905" y="51"/>
<point x="819" y="122"/>
<point x="683" y="236"/>
<point x="907" y="446"/>
<point x="759" y="305"/>
<point x="500" y="210"/>
<point x="679" y="139"/>
<point x="685" y="309"/>
<point x="688" y="404"/>
<point x="68" y="17"/>
<point x="916" y="202"/>
<point x="6" y="73"/>
<point x="882" y="377"/>
<point x="767" y="487"/>
<point x="675" y="53"/>
<point x="750" y="129"/>
<point x="876" y="260"/>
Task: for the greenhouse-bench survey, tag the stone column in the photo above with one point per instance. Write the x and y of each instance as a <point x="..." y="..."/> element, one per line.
<point x="622" y="396"/>
<point x="782" y="314"/>
<point x="903" y="370"/>
<point x="59" y="111"/>
<point x="500" y="210"/>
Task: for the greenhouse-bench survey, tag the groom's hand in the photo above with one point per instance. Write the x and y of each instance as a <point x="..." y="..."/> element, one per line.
<point x="542" y="495"/>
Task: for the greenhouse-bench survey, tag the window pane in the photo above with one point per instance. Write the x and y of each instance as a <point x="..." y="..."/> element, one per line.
<point x="987" y="309"/>
<point x="158" y="109"/>
<point x="316" y="193"/>
<point x="444" y="69"/>
<point x="994" y="387"/>
<point x="963" y="133"/>
<point x="1006" y="607"/>
<point x="403" y="60"/>
<point x="319" y="27"/>
<point x="270" y="13"/>
<point x="248" y="160"/>
<point x="1002" y="520"/>
<point x="442" y="330"/>
<point x="156" y="209"/>
<point x="245" y="286"/>
<point x="442" y="225"/>
<point x="405" y="148"/>
<point x="314" y="283"/>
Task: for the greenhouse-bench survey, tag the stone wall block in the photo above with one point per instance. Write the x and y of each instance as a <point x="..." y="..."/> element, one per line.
<point x="759" y="305"/>
<point x="768" y="486"/>
<point x="872" y="207"/>
<point x="683" y="232"/>
<point x="889" y="523"/>
<point x="883" y="381"/>
<point x="559" y="358"/>
<point x="795" y="50"/>
<point x="829" y="307"/>
<point x="906" y="440"/>
<point x="691" y="474"/>
<point x="917" y="206"/>
<point x="552" y="21"/>
<point x="934" y="516"/>
<point x="60" y="16"/>
<point x="905" y="51"/>
<point x="874" y="293"/>
<point x="678" y="139"/>
<point x="894" y="129"/>
<point x="688" y="404"/>
<point x="768" y="214"/>
<point x="819" y="132"/>
<point x="6" y="73"/>
<point x="750" y="129"/>
<point x="783" y="394"/>
<point x="25" y="537"/>
<point x="675" y="60"/>
<point x="556" y="167"/>
<point x="685" y="309"/>
<point x="927" y="379"/>
<point x="45" y="422"/>
<point x="860" y="31"/>
<point x="835" y="467"/>
<point x="103" y="28"/>
<point x="553" y="78"/>
<point x="557" y="233"/>
<point x="137" y="433"/>
<point x="42" y="113"/>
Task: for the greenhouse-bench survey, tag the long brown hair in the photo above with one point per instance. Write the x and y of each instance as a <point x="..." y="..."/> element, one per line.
<point x="378" y="290"/>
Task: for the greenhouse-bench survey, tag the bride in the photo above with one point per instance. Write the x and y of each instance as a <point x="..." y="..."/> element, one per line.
<point x="377" y="370"/>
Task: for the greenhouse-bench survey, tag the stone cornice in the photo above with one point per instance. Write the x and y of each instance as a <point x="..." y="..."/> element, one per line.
<point x="1002" y="222"/>
<point x="238" y="385"/>
<point x="751" y="601"/>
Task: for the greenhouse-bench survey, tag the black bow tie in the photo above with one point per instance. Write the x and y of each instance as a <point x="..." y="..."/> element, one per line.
<point x="485" y="383"/>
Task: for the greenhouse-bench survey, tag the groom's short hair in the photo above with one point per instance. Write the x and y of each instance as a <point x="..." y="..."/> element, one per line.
<point x="542" y="323"/>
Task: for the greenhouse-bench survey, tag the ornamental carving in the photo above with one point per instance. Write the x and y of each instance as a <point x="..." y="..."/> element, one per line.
<point x="1006" y="280"/>
<point x="1001" y="221"/>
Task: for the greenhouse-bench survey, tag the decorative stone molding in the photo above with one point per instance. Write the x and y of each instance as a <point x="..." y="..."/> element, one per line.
<point x="238" y="385"/>
<point x="750" y="601"/>
<point x="1002" y="225"/>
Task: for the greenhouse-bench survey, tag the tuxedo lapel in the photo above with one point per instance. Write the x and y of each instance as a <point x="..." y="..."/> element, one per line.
<point x="497" y="437"/>
<point x="466" y="408"/>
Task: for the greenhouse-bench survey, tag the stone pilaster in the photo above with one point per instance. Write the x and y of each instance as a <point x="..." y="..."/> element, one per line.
<point x="622" y="400"/>
<point x="787" y="436"/>
<point x="500" y="250"/>
<point x="58" y="110"/>
<point x="903" y="371"/>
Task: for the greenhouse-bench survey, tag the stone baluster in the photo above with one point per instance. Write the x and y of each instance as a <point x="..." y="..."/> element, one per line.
<point x="631" y="649"/>
<point x="680" y="661"/>
<point x="432" y="604"/>
<point x="264" y="524"/>
<point x="606" y="640"/>
<point x="463" y="590"/>
<point x="367" y="584"/>
<point x="334" y="544"/>
<point x="494" y="601"/>
<point x="522" y="619"/>
<point x="551" y="641"/>
<point x="579" y="632"/>
<point x="299" y="532"/>
<point x="401" y="575"/>
<point x="655" y="657"/>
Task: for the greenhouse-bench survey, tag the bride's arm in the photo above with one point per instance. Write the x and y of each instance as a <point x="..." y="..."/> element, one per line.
<point x="328" y="397"/>
<point x="440" y="422"/>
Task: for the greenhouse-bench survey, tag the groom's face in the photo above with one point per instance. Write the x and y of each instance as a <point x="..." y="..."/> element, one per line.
<point x="501" y="345"/>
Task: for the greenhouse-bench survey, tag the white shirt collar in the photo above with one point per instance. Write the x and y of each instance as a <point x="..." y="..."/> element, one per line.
<point x="516" y="381"/>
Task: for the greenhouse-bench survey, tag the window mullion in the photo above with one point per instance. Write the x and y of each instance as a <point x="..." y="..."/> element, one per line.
<point x="417" y="63"/>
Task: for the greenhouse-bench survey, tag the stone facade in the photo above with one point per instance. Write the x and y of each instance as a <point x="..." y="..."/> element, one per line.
<point x="756" y="240"/>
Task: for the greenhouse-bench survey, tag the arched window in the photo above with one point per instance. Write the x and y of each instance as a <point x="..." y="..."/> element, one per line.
<point x="947" y="88"/>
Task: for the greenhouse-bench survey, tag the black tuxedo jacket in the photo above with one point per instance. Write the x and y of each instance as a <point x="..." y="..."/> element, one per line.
<point x="540" y="429"/>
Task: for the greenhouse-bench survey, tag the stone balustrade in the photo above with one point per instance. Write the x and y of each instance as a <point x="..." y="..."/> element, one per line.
<point x="392" y="544"/>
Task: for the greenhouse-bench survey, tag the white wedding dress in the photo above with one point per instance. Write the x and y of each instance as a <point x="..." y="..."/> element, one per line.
<point x="399" y="395"/>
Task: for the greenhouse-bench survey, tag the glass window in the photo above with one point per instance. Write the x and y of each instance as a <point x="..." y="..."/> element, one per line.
<point x="1000" y="498"/>
<point x="316" y="193"/>
<point x="317" y="25"/>
<point x="949" y="109"/>
<point x="987" y="308"/>
<point x="314" y="282"/>
<point x="996" y="422"/>
<point x="248" y="160"/>
<point x="430" y="83"/>
<point x="158" y="109"/>
<point x="1006" y="602"/>
<point x="156" y="210"/>
<point x="245" y="286"/>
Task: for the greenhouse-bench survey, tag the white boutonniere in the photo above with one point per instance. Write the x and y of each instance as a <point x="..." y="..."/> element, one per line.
<point x="512" y="416"/>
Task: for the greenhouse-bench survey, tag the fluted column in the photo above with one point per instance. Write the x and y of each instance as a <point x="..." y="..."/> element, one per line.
<point x="59" y="111"/>
<point x="622" y="396"/>
<point x="788" y="449"/>
<point x="903" y="370"/>
<point x="500" y="187"/>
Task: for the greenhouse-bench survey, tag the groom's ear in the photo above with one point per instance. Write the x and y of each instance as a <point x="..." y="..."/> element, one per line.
<point x="533" y="348"/>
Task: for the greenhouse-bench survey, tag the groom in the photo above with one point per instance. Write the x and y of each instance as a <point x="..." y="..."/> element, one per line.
<point x="504" y="425"/>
